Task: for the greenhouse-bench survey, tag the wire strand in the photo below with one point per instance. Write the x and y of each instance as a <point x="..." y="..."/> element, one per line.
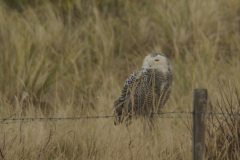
<point x="7" y="120"/>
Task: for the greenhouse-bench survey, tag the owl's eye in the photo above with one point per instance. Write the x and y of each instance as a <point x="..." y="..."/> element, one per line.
<point x="156" y="60"/>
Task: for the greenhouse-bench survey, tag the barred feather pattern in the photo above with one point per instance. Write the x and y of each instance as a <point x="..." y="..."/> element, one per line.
<point x="144" y="92"/>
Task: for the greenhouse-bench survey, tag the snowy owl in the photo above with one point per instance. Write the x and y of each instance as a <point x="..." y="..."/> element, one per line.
<point x="146" y="90"/>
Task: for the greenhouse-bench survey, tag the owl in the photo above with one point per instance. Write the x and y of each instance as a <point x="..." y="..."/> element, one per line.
<point x="146" y="90"/>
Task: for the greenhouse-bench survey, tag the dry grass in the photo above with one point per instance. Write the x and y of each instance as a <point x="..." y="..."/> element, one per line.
<point x="71" y="59"/>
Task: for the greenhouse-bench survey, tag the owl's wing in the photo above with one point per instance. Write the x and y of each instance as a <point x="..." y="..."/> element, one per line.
<point x="119" y="104"/>
<point x="130" y="82"/>
<point x="127" y="88"/>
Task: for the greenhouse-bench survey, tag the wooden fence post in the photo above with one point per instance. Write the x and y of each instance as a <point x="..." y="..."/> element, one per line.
<point x="199" y="121"/>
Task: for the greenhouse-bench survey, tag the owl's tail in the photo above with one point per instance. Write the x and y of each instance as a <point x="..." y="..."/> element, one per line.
<point x="121" y="114"/>
<point x="117" y="113"/>
<point x="122" y="119"/>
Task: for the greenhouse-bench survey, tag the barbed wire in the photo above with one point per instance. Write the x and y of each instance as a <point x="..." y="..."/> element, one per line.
<point x="3" y="120"/>
<point x="17" y="120"/>
<point x="55" y="119"/>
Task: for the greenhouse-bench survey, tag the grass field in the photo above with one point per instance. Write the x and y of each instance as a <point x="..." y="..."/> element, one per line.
<point x="71" y="59"/>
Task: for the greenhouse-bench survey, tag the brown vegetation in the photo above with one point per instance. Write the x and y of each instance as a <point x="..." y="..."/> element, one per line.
<point x="71" y="58"/>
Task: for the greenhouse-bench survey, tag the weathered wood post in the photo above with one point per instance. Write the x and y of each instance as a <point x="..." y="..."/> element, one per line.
<point x="199" y="121"/>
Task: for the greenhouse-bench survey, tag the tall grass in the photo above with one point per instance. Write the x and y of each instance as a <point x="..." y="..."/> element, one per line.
<point x="71" y="58"/>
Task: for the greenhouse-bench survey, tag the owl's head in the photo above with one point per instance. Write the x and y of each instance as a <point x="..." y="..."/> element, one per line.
<point x="156" y="61"/>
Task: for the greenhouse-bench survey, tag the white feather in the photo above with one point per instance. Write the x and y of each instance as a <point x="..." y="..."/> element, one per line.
<point x="151" y="63"/>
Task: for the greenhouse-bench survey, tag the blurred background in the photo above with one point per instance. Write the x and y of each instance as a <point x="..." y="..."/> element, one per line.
<point x="70" y="58"/>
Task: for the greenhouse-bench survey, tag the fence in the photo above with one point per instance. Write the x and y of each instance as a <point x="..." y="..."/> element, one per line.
<point x="11" y="120"/>
<point x="199" y="120"/>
